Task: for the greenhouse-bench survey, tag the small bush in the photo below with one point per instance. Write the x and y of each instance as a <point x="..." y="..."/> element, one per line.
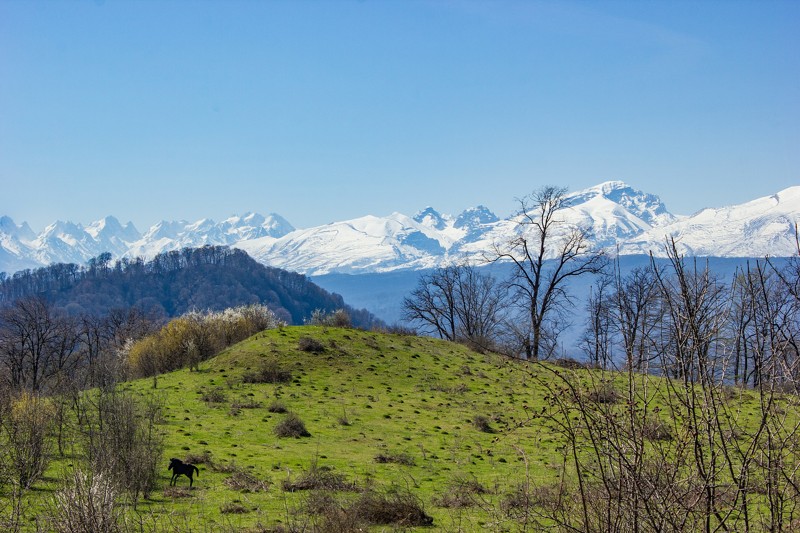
<point x="291" y="426"/>
<point x="269" y="371"/>
<point x="177" y="492"/>
<point x="246" y="404"/>
<point x="86" y="505"/>
<point x="277" y="407"/>
<point x="319" y="478"/>
<point x="245" y="482"/>
<point x="482" y="423"/>
<point x="215" y="395"/>
<point x="400" y="509"/>
<point x="199" y="459"/>
<point x="309" y="344"/>
<point x="605" y="393"/>
<point x="337" y="319"/>
<point x="461" y="493"/>
<point x="396" y="458"/>
<point x="233" y="508"/>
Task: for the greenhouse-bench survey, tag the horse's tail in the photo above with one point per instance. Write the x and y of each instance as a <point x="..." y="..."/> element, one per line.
<point x="196" y="470"/>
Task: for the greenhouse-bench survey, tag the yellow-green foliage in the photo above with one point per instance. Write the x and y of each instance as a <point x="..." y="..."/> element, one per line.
<point x="29" y="409"/>
<point x="194" y="337"/>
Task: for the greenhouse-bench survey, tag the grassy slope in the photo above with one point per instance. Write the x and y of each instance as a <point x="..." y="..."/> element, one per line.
<point x="400" y="395"/>
<point x="410" y="395"/>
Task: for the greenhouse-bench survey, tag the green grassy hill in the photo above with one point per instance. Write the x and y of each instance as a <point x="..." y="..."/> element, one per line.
<point x="397" y="413"/>
<point x="408" y="432"/>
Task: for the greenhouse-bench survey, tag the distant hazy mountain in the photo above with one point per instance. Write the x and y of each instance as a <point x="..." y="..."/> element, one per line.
<point x="619" y="217"/>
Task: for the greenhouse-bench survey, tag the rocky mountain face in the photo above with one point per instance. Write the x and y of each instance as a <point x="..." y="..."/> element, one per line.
<point x="618" y="217"/>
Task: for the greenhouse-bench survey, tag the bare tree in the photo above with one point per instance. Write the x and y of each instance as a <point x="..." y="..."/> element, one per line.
<point x="37" y="346"/>
<point x="597" y="337"/>
<point x="458" y="303"/>
<point x="546" y="254"/>
<point x="636" y="313"/>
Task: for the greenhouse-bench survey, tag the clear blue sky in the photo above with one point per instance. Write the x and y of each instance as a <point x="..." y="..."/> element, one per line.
<point x="330" y="110"/>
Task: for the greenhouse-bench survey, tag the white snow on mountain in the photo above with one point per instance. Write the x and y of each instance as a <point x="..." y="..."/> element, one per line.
<point x="616" y="215"/>
<point x="759" y="228"/>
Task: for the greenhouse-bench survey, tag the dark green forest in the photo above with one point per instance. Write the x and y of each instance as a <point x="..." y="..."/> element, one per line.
<point x="175" y="282"/>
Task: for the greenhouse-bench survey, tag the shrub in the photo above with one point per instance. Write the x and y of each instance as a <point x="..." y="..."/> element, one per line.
<point x="121" y="439"/>
<point x="401" y="509"/>
<point x="199" y="459"/>
<point x="87" y="504"/>
<point x="291" y="426"/>
<point x="215" y="395"/>
<point x="269" y="371"/>
<point x="28" y="447"/>
<point x="604" y="393"/>
<point x="309" y="344"/>
<point x="396" y="458"/>
<point x="233" y="508"/>
<point x="460" y="493"/>
<point x="319" y="477"/>
<point x="245" y="482"/>
<point x="277" y="407"/>
<point x="482" y="423"/>
<point x="337" y="319"/>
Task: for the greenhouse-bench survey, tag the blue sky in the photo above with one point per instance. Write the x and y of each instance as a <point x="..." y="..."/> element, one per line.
<point x="329" y="110"/>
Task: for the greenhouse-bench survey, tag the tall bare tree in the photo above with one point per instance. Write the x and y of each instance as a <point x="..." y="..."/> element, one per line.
<point x="37" y="345"/>
<point x="546" y="253"/>
<point x="458" y="303"/>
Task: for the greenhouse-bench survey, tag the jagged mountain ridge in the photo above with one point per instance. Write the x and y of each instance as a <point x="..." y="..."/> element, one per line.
<point x="619" y="216"/>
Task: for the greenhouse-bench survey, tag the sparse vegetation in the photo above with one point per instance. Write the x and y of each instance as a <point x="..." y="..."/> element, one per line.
<point x="269" y="371"/>
<point x="309" y="344"/>
<point x="416" y="411"/>
<point x="291" y="426"/>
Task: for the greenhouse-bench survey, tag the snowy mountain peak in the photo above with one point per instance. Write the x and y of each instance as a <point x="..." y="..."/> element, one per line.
<point x="431" y="218"/>
<point x="474" y="217"/>
<point x="22" y="232"/>
<point x="645" y="206"/>
<point x="616" y="215"/>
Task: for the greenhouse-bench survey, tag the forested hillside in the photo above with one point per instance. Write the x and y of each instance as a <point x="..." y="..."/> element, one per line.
<point x="172" y="283"/>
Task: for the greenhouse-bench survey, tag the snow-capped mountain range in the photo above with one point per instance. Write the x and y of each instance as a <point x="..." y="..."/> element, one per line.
<point x="619" y="217"/>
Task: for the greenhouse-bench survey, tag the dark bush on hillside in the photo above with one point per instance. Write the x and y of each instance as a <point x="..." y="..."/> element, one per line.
<point x="319" y="478"/>
<point x="460" y="493"/>
<point x="291" y="426"/>
<point x="245" y="482"/>
<point x="269" y="371"/>
<point x="604" y="393"/>
<point x="215" y="395"/>
<point x="277" y="407"/>
<point x="400" y="509"/>
<point x="396" y="458"/>
<point x="233" y="508"/>
<point x="199" y="458"/>
<point x="482" y="423"/>
<point x="308" y="344"/>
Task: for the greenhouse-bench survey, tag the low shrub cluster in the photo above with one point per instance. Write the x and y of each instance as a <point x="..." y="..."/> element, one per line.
<point x="319" y="478"/>
<point x="268" y="371"/>
<point x="195" y="337"/>
<point x="291" y="426"/>
<point x="310" y="344"/>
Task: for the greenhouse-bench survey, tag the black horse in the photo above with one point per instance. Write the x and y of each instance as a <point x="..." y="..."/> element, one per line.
<point x="179" y="468"/>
